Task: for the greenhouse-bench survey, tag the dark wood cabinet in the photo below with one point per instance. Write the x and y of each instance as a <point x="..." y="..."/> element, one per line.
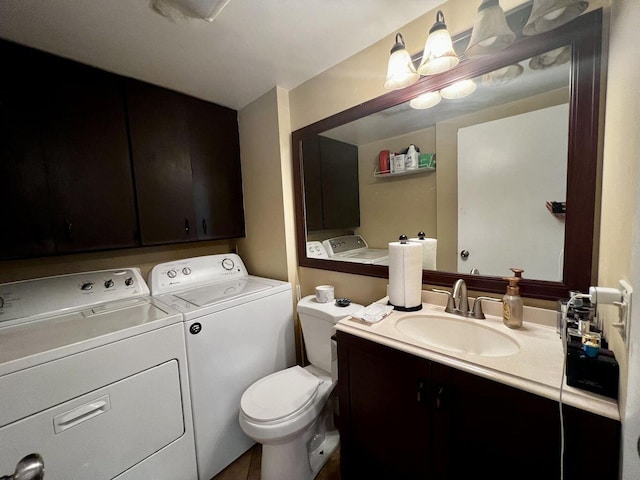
<point x="64" y="157"/>
<point x="185" y="155"/>
<point x="404" y="414"/>
<point x="90" y="160"/>
<point x="331" y="184"/>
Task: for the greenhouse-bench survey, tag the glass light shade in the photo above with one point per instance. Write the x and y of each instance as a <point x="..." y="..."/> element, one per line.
<point x="426" y="100"/>
<point x="490" y="30"/>
<point x="439" y="55"/>
<point x="556" y="57"/>
<point x="460" y="89"/>
<point x="502" y="76"/>
<point x="549" y="14"/>
<point x="400" y="70"/>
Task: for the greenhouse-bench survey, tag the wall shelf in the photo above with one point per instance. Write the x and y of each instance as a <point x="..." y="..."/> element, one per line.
<point x="378" y="174"/>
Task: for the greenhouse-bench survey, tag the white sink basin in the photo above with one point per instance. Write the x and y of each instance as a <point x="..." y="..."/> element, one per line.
<point x="458" y="335"/>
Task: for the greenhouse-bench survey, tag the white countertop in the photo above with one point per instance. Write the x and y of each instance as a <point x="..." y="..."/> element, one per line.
<point x="536" y="368"/>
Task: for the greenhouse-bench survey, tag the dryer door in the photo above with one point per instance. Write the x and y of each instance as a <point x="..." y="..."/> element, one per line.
<point x="102" y="433"/>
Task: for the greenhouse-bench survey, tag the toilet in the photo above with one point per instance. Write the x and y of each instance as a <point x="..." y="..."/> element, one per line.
<point x="290" y="412"/>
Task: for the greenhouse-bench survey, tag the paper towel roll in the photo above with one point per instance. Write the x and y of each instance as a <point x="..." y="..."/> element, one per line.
<point x="405" y="274"/>
<point x="429" y="251"/>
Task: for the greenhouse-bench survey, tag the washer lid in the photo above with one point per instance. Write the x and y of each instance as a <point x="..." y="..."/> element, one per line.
<point x="280" y="394"/>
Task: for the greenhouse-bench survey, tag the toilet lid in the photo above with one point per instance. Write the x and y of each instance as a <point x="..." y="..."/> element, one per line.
<point x="280" y="394"/>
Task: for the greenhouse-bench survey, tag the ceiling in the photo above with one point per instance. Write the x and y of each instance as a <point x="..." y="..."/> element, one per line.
<point x="250" y="47"/>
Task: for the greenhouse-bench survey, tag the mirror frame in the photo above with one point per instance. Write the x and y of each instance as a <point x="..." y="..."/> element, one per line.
<point x="584" y="35"/>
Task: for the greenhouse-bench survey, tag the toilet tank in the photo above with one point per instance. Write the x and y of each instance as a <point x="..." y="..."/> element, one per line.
<point x="318" y="325"/>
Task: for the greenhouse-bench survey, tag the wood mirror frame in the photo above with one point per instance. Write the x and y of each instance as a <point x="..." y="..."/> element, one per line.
<point x="584" y="35"/>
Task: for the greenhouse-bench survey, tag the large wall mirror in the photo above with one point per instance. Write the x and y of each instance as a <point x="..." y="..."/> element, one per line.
<point x="505" y="176"/>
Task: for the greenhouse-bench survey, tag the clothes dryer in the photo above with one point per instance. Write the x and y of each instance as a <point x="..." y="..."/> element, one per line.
<point x="93" y="378"/>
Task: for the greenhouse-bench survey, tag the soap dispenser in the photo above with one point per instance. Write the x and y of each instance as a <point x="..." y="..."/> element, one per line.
<point x="512" y="302"/>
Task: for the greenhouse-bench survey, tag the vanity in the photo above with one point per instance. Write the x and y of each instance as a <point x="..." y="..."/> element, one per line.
<point x="473" y="400"/>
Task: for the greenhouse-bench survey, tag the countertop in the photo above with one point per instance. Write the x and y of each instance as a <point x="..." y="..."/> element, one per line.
<point x="536" y="368"/>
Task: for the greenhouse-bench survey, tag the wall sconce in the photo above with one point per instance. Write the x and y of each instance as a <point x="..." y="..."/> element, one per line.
<point x="400" y="70"/>
<point x="439" y="55"/>
<point x="490" y="30"/>
<point x="460" y="89"/>
<point x="549" y="14"/>
<point x="426" y="100"/>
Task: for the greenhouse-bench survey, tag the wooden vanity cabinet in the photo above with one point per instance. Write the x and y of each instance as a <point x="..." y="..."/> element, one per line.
<point x="185" y="155"/>
<point x="405" y="417"/>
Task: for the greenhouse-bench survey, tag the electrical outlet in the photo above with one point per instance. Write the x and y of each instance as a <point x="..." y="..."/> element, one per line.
<point x="625" y="310"/>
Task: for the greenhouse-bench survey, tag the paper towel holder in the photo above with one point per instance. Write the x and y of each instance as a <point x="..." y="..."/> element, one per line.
<point x="403" y="239"/>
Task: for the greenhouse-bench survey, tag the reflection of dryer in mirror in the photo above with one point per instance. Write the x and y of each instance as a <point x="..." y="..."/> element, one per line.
<point x="316" y="250"/>
<point x="353" y="248"/>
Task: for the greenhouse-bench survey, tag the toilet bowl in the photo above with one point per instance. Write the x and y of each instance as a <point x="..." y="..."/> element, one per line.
<point x="290" y="412"/>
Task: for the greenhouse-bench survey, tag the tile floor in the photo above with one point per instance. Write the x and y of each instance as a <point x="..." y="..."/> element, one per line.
<point x="247" y="467"/>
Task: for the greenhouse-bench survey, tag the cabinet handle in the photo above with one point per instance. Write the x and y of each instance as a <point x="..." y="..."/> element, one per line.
<point x="68" y="226"/>
<point x="422" y="392"/>
<point x="186" y="225"/>
<point x="441" y="396"/>
<point x="204" y="225"/>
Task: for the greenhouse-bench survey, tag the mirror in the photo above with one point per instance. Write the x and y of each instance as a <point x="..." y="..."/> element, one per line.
<point x="562" y="99"/>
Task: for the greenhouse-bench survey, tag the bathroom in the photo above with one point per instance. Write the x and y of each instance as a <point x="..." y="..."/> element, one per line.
<point x="265" y="128"/>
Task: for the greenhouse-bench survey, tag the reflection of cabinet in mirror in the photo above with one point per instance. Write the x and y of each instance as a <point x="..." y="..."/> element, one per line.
<point x="332" y="202"/>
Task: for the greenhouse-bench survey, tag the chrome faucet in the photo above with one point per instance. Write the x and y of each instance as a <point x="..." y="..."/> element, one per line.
<point x="457" y="302"/>
<point x="460" y="294"/>
<point x="461" y="307"/>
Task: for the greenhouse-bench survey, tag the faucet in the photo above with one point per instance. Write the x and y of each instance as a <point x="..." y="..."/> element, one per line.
<point x="460" y="294"/>
<point x="461" y="307"/>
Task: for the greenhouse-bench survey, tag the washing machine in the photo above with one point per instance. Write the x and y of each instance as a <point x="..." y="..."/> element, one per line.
<point x="238" y="328"/>
<point x="93" y="378"/>
<point x="354" y="248"/>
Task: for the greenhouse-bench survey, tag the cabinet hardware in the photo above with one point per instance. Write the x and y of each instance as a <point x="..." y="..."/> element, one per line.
<point x="186" y="225"/>
<point x="422" y="392"/>
<point x="441" y="394"/>
<point x="68" y="226"/>
<point x="204" y="225"/>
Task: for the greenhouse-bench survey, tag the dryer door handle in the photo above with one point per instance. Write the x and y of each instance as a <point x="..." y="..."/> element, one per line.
<point x="81" y="414"/>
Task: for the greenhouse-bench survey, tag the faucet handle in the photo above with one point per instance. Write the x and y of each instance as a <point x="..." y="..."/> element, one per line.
<point x="450" y="308"/>
<point x="477" y="306"/>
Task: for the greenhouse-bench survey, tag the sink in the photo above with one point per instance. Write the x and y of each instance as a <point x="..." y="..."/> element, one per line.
<point x="457" y="335"/>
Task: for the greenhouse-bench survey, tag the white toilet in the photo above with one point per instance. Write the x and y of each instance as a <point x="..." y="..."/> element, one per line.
<point x="290" y="412"/>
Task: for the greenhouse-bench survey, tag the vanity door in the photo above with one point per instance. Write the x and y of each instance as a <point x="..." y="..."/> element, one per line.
<point x="384" y="411"/>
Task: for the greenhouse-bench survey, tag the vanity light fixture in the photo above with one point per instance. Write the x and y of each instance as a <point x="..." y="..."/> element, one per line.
<point x="426" y="100"/>
<point x="439" y="55"/>
<point x="400" y="70"/>
<point x="490" y="30"/>
<point x="549" y="14"/>
<point x="503" y="75"/>
<point x="460" y="89"/>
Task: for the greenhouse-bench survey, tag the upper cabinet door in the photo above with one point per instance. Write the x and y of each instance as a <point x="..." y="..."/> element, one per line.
<point x="64" y="157"/>
<point x="86" y="150"/>
<point x="214" y="149"/>
<point x="24" y="191"/>
<point x="161" y="162"/>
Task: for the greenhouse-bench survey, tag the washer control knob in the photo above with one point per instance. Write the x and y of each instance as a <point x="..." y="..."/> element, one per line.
<point x="108" y="283"/>
<point x="228" y="264"/>
<point x="172" y="274"/>
<point x="128" y="281"/>
<point x="186" y="270"/>
<point x="86" y="286"/>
